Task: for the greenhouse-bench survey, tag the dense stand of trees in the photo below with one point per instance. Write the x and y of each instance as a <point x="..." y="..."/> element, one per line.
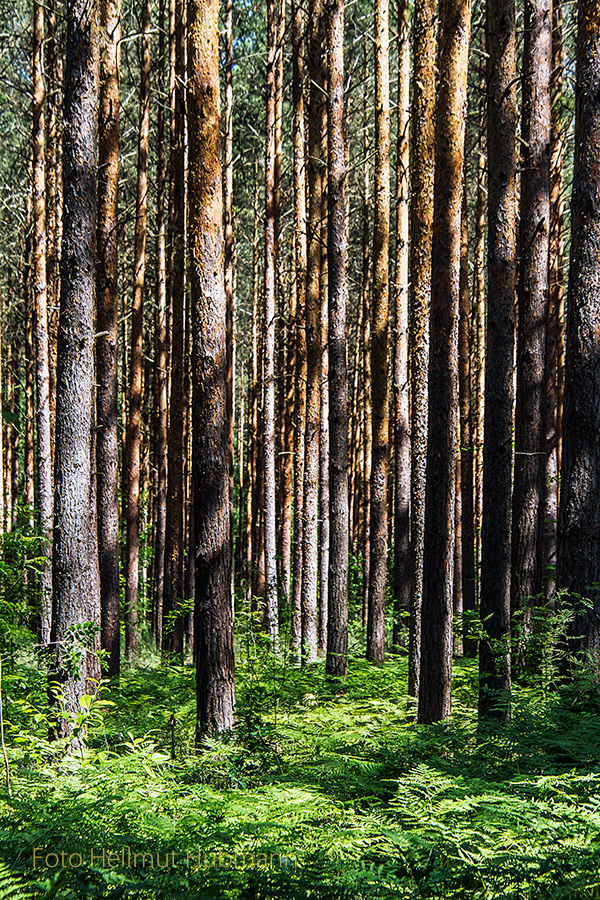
<point x="310" y="407"/>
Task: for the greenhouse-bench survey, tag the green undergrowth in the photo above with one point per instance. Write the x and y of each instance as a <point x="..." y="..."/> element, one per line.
<point x="326" y="790"/>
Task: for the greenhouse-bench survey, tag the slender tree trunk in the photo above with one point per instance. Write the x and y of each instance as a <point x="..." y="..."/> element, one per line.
<point x="494" y="650"/>
<point x="365" y="354"/>
<point x="174" y="550"/>
<point x="44" y="456"/>
<point x="76" y="580"/>
<point x="554" y="337"/>
<point x="229" y="245"/>
<point x="379" y="343"/>
<point x="134" y="421"/>
<point x="530" y="435"/>
<point x="421" y="225"/>
<point x="29" y="449"/>
<point x="479" y="327"/>
<point x="400" y="365"/>
<point x="467" y="455"/>
<point x="300" y="370"/>
<point x="324" y="527"/>
<point x="269" y="334"/>
<point x="435" y="683"/>
<point x="53" y="199"/>
<point x="337" y="260"/>
<point x="579" y="518"/>
<point x="107" y="450"/>
<point x="211" y="470"/>
<point x="313" y="339"/>
<point x="162" y="350"/>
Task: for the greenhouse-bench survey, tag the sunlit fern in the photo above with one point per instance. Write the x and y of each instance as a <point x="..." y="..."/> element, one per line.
<point x="10" y="885"/>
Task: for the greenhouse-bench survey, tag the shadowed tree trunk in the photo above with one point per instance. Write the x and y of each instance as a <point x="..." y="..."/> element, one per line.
<point x="174" y="549"/>
<point x="212" y="520"/>
<point x="300" y="251"/>
<point x="494" y="650"/>
<point x="76" y="580"/>
<point x="337" y="261"/>
<point x="530" y="436"/>
<point x="435" y="684"/>
<point x="107" y="450"/>
<point x="579" y="519"/>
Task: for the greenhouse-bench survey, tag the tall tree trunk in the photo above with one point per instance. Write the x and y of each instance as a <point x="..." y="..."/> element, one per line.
<point x="379" y="344"/>
<point x="579" y="518"/>
<point x="530" y="436"/>
<point x="268" y="370"/>
<point x="421" y="224"/>
<point x="400" y="365"/>
<point x="479" y="325"/>
<point x="134" y="421"/>
<point x="107" y="450"/>
<point x="53" y="199"/>
<point x="29" y="449"/>
<point x="494" y="650"/>
<point x="229" y="245"/>
<point x="555" y="336"/>
<point x="337" y="261"/>
<point x="313" y="338"/>
<point x="213" y="552"/>
<point x="44" y="456"/>
<point x="76" y="580"/>
<point x="324" y="527"/>
<point x="435" y="683"/>
<point x="467" y="455"/>
<point x="162" y="350"/>
<point x="300" y="372"/>
<point x="365" y="353"/>
<point x="174" y="550"/>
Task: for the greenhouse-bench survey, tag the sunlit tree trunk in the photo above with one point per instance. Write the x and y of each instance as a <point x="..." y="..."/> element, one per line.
<point x="421" y="223"/>
<point x="107" y="450"/>
<point x="435" y="683"/>
<point x="44" y="456"/>
<point x="76" y="581"/>
<point x="211" y="478"/>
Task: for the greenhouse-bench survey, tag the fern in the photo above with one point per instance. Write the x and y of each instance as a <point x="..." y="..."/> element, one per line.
<point x="10" y="885"/>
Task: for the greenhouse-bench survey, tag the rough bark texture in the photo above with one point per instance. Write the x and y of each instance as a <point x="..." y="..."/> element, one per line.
<point x="268" y="424"/>
<point x="107" y="450"/>
<point x="337" y="259"/>
<point x="174" y="550"/>
<point x="300" y="251"/>
<point x="44" y="456"/>
<point x="479" y="327"/>
<point x="400" y="365"/>
<point x="494" y="651"/>
<point x="421" y="223"/>
<point x="467" y="455"/>
<point x="212" y="521"/>
<point x="379" y="344"/>
<point x="313" y="341"/>
<point x="161" y="360"/>
<point x="579" y="520"/>
<point x="530" y="435"/>
<point x="53" y="197"/>
<point x="555" y="333"/>
<point x="134" y="420"/>
<point x="435" y="684"/>
<point x="76" y="580"/>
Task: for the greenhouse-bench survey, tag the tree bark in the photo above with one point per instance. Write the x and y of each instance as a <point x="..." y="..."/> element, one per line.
<point x="494" y="650"/>
<point x="400" y="365"/>
<point x="134" y="421"/>
<point x="75" y="561"/>
<point x="107" y="450"/>
<point x="579" y="518"/>
<point x="337" y="260"/>
<point x="44" y="455"/>
<point x="530" y="457"/>
<point x="213" y="552"/>
<point x="435" y="683"/>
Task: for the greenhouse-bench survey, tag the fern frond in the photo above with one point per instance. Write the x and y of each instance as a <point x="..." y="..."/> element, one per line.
<point x="11" y="887"/>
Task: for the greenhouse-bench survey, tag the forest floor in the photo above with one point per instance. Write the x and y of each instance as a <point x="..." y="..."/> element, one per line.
<point x="325" y="791"/>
